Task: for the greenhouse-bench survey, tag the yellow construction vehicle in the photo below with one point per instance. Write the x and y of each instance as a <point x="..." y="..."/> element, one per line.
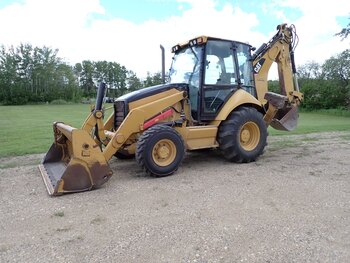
<point x="216" y="97"/>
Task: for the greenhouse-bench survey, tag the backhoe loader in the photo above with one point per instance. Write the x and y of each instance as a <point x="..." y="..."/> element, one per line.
<point x="216" y="97"/>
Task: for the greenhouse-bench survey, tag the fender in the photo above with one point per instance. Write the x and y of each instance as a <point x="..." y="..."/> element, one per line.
<point x="239" y="98"/>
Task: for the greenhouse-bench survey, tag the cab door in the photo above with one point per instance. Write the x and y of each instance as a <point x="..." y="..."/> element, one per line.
<point x="220" y="78"/>
<point x="227" y="67"/>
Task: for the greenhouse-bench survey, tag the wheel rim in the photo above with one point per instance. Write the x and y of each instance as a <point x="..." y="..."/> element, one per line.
<point x="164" y="152"/>
<point x="249" y="136"/>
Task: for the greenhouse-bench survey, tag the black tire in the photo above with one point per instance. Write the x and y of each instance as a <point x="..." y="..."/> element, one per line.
<point x="242" y="136"/>
<point x="160" y="151"/>
<point x="124" y="155"/>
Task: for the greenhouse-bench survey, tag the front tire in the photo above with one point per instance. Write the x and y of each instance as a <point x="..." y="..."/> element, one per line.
<point x="242" y="136"/>
<point x="160" y="151"/>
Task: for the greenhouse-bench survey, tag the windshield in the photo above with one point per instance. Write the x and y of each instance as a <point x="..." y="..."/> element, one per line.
<point x="185" y="66"/>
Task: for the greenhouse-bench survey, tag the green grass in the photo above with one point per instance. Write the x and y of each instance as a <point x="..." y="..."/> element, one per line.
<point x="28" y="129"/>
<point x="59" y="214"/>
<point x="311" y="122"/>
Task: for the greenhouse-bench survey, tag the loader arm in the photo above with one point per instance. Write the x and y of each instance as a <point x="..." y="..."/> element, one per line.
<point x="78" y="158"/>
<point x="281" y="109"/>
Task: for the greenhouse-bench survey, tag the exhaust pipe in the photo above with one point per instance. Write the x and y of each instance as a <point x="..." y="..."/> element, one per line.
<point x="163" y="64"/>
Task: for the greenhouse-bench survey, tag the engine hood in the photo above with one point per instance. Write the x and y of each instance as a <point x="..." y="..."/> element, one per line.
<point x="146" y="92"/>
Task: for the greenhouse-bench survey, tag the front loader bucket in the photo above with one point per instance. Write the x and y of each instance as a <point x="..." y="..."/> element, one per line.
<point x="286" y="119"/>
<point x="74" y="162"/>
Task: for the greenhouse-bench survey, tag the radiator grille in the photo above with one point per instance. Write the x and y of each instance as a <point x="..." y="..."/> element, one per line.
<point x="119" y="113"/>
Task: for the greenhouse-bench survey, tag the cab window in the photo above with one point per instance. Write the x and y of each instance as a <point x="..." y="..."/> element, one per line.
<point x="245" y="68"/>
<point x="220" y="77"/>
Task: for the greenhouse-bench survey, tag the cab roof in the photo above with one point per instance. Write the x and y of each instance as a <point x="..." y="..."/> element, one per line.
<point x="200" y="40"/>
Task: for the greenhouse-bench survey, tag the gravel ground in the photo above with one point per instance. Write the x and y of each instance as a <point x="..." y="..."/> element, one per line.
<point x="292" y="205"/>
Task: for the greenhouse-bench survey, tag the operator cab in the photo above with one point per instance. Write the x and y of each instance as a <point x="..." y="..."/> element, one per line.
<point x="213" y="69"/>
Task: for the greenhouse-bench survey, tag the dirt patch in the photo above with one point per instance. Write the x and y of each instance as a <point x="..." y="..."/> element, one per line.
<point x="292" y="205"/>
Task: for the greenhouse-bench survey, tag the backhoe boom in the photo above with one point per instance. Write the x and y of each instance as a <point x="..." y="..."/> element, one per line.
<point x="281" y="108"/>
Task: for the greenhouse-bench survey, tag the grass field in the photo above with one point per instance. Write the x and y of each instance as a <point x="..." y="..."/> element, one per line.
<point x="28" y="129"/>
<point x="310" y="122"/>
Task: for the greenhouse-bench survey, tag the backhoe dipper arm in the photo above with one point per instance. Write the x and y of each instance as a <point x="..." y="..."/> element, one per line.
<point x="279" y="49"/>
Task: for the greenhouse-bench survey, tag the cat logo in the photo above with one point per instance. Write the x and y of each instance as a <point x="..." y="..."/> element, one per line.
<point x="258" y="65"/>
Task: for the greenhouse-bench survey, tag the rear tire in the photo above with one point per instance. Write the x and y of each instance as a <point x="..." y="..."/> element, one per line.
<point x="242" y="136"/>
<point x="160" y="151"/>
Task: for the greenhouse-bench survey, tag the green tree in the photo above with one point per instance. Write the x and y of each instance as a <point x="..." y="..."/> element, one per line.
<point x="338" y="67"/>
<point x="113" y="74"/>
<point x="78" y="69"/>
<point x="34" y="74"/>
<point x="328" y="85"/>
<point x="133" y="82"/>
<point x="345" y="32"/>
<point x="87" y="78"/>
<point x="153" y="79"/>
<point x="310" y="70"/>
<point x="337" y="70"/>
<point x="38" y="74"/>
<point x="11" y="86"/>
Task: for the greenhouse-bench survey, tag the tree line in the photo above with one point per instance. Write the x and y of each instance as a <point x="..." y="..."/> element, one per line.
<point x="38" y="75"/>
<point x="326" y="85"/>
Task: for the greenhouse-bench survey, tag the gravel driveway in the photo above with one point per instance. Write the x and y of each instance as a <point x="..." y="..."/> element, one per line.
<point x="292" y="205"/>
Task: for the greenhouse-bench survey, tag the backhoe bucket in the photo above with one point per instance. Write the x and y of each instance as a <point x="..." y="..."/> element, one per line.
<point x="286" y="119"/>
<point x="283" y="115"/>
<point x="74" y="163"/>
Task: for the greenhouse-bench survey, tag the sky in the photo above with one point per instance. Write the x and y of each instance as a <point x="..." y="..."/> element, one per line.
<point x="130" y="31"/>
